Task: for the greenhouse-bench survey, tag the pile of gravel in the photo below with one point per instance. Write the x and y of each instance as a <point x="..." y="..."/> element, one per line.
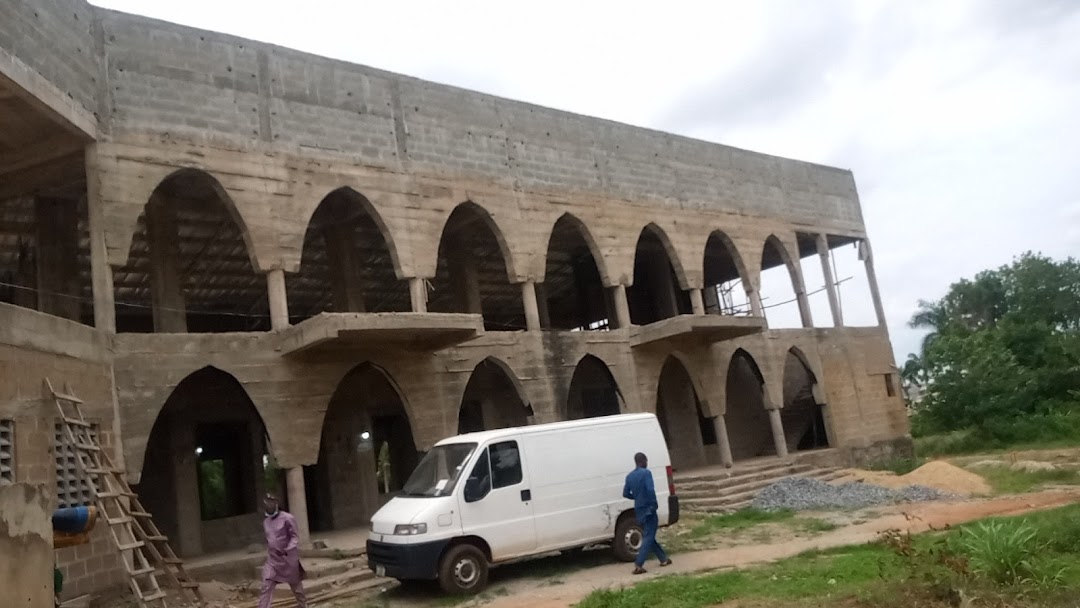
<point x="805" y="494"/>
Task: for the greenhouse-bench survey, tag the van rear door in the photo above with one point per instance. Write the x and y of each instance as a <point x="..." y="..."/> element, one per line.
<point x="496" y="501"/>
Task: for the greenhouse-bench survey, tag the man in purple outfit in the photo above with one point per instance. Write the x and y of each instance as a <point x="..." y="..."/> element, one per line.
<point x="282" y="554"/>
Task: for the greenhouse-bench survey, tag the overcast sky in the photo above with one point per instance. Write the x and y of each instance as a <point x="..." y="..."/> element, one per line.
<point x="960" y="119"/>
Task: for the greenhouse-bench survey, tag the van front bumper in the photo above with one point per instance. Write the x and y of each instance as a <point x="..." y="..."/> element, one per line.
<point x="419" y="561"/>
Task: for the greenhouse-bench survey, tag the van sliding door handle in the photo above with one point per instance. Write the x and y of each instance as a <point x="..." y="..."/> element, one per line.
<point x="526" y="495"/>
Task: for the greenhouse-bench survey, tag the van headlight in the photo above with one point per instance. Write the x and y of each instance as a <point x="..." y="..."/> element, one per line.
<point x="410" y="529"/>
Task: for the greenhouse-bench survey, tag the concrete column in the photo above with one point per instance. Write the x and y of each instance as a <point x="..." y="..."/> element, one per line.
<point x="465" y="277"/>
<point x="830" y="280"/>
<point x="57" y="225"/>
<point x="756" y="308"/>
<point x="185" y="486"/>
<point x="778" y="432"/>
<point x="101" y="276"/>
<point x="532" y="311"/>
<point x="804" y="305"/>
<point x="279" y="302"/>
<point x="170" y="311"/>
<point x="418" y="294"/>
<point x="720" y="426"/>
<point x="294" y="484"/>
<point x="697" y="303"/>
<point x="711" y="300"/>
<point x="622" y="307"/>
<point x="348" y="293"/>
<point x="542" y="306"/>
<point x="871" y="277"/>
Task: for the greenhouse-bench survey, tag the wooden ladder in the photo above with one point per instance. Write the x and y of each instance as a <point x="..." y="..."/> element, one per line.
<point x="131" y="526"/>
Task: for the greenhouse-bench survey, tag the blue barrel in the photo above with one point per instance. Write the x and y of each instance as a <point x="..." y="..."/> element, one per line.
<point x="74" y="520"/>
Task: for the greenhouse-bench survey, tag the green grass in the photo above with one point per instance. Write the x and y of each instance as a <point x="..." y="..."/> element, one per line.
<point x="737" y="521"/>
<point x="1007" y="481"/>
<point x="930" y="570"/>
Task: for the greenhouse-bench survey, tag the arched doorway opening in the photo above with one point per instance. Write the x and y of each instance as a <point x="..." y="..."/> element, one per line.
<point x="347" y="264"/>
<point x="493" y="399"/>
<point x="725" y="289"/>
<point x="572" y="296"/>
<point x="473" y="272"/>
<point x="207" y="466"/>
<point x="690" y="434"/>
<point x="593" y="391"/>
<point x="803" y="416"/>
<point x="781" y="306"/>
<point x="366" y="453"/>
<point x="655" y="294"/>
<point x="189" y="268"/>
<point x="749" y="430"/>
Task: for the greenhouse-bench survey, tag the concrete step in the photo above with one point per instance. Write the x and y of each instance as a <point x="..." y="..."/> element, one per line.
<point x="312" y="585"/>
<point x="712" y="487"/>
<point x="745" y="493"/>
<point x="720" y="474"/>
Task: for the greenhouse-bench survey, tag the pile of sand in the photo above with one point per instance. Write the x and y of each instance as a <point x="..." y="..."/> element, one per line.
<point x="935" y="474"/>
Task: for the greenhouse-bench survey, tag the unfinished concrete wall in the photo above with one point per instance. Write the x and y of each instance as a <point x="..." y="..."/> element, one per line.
<point x="26" y="553"/>
<point x="35" y="346"/>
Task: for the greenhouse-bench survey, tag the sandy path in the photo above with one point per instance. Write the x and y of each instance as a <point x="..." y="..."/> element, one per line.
<point x="534" y="593"/>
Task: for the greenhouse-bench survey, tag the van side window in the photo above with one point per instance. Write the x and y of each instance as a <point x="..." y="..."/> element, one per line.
<point x="478" y="484"/>
<point x="505" y="464"/>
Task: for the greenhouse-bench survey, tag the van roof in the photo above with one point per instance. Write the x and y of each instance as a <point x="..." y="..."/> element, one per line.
<point x="483" y="436"/>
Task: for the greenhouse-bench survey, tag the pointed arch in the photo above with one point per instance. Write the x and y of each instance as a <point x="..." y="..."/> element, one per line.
<point x="479" y="212"/>
<point x="593" y="391"/>
<point x="683" y="416"/>
<point x="493" y="398"/>
<point x="725" y="276"/>
<point x="582" y="229"/>
<point x="781" y="253"/>
<point x="206" y="453"/>
<point x="804" y="416"/>
<point x="669" y="248"/>
<point x="571" y="294"/>
<point x="349" y="261"/>
<point x="749" y="429"/>
<point x="658" y="290"/>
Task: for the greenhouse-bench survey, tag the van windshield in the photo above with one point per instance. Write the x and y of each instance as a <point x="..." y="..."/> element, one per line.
<point x="438" y="472"/>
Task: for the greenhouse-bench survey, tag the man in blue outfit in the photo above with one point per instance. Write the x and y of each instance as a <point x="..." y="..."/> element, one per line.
<point x="639" y="488"/>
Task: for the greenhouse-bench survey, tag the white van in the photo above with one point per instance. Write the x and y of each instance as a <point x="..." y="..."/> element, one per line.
<point x="486" y="498"/>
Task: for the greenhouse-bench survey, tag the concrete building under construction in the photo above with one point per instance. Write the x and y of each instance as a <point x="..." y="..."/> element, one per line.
<point x="261" y="267"/>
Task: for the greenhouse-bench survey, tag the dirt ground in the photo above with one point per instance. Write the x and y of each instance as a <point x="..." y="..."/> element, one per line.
<point x="561" y="581"/>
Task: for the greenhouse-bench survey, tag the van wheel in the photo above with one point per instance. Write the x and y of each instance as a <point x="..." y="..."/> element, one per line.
<point x="628" y="539"/>
<point x="463" y="570"/>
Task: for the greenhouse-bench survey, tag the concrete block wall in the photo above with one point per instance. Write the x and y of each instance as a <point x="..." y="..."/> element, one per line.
<point x="35" y="346"/>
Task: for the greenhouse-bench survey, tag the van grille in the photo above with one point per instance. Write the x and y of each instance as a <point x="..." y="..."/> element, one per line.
<point x="382" y="554"/>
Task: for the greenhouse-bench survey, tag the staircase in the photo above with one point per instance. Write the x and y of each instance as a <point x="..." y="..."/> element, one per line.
<point x="326" y="576"/>
<point x="719" y="490"/>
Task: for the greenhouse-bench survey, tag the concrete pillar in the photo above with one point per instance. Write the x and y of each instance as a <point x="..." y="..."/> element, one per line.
<point x="170" y="313"/>
<point x="697" y="303"/>
<point x="720" y="426"/>
<point x="542" y="306"/>
<point x="804" y="304"/>
<point x="830" y="280"/>
<point x="756" y="308"/>
<point x="871" y="277"/>
<point x="101" y="276"/>
<point x="294" y="484"/>
<point x="279" y="303"/>
<point x="57" y="223"/>
<point x="465" y="278"/>
<point x="711" y="300"/>
<point x="778" y="432"/>
<point x="622" y="307"/>
<point x="348" y="293"/>
<point x="532" y="311"/>
<point x="418" y="294"/>
<point x="185" y="477"/>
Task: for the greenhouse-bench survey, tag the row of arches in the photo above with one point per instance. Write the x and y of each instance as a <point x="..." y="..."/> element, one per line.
<point x="190" y="267"/>
<point x="208" y="456"/>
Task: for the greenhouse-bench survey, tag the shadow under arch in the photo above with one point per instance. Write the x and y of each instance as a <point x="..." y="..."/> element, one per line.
<point x="366" y="450"/>
<point x="593" y="391"/>
<point x="804" y="418"/>
<point x="687" y="428"/>
<point x="207" y="465"/>
<point x="749" y="429"/>
<point x="494" y="398"/>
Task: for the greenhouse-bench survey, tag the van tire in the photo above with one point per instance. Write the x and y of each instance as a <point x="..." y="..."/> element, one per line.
<point x="627" y="531"/>
<point x="463" y="570"/>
